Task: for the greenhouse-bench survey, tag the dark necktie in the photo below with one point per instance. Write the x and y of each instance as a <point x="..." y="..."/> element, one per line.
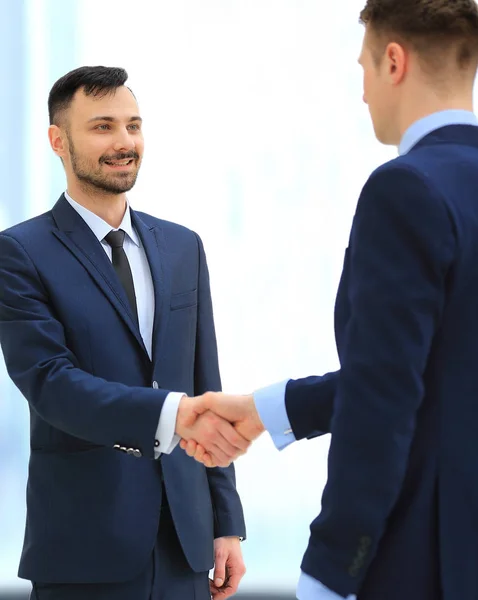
<point x="121" y="265"/>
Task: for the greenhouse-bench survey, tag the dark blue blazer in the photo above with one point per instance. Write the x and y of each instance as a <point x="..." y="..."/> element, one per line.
<point x="399" y="515"/>
<point x="72" y="347"/>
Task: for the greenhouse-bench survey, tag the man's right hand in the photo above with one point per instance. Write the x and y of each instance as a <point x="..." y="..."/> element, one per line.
<point x="240" y="411"/>
<point x="213" y="433"/>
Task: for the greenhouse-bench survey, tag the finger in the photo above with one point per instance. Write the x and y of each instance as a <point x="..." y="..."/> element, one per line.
<point x="218" y="431"/>
<point x="224" y="592"/>
<point x="205" y="457"/>
<point x="219" y="592"/>
<point x="231" y="443"/>
<point x="203" y="403"/>
<point x="208" y="431"/>
<point x="209" y="461"/>
<point x="208" y="436"/>
<point x="220" y="569"/>
<point x="219" y="456"/>
<point x="189" y="410"/>
<point x="213" y="589"/>
<point x="238" y="439"/>
<point x="199" y="453"/>
<point x="191" y="448"/>
<point x="234" y="439"/>
<point x="216" y="593"/>
<point x="232" y="585"/>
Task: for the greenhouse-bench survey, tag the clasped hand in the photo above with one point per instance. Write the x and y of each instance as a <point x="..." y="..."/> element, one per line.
<point x="217" y="428"/>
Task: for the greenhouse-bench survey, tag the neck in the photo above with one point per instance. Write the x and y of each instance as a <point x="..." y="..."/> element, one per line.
<point x="109" y="207"/>
<point x="429" y="104"/>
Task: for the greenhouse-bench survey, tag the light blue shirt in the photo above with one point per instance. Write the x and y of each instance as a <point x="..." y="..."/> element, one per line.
<point x="144" y="291"/>
<point x="270" y="401"/>
<point x="423" y="127"/>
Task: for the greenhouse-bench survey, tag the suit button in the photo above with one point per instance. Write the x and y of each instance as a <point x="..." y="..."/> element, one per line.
<point x="155" y="385"/>
<point x="134" y="452"/>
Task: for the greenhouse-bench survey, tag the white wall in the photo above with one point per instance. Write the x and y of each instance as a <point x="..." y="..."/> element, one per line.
<point x="257" y="138"/>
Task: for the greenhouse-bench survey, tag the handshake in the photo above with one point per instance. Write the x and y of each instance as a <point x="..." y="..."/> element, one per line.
<point x="217" y="428"/>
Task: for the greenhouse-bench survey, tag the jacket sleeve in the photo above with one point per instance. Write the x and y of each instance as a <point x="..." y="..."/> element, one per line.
<point x="309" y="403"/>
<point x="47" y="372"/>
<point x="401" y="250"/>
<point x="228" y="513"/>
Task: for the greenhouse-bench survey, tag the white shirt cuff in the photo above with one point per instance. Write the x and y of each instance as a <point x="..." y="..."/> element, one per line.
<point x="309" y="588"/>
<point x="166" y="439"/>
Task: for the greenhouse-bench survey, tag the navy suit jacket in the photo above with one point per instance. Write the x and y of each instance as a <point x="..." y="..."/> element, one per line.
<point x="399" y="514"/>
<point x="73" y="349"/>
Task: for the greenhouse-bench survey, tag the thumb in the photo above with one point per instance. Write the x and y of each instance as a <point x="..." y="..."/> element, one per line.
<point x="189" y="410"/>
<point x="201" y="403"/>
<point x="229" y="407"/>
<point x="219" y="573"/>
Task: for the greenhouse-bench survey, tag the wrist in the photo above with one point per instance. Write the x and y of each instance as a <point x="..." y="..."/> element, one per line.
<point x="184" y="417"/>
<point x="229" y="538"/>
<point x="256" y="419"/>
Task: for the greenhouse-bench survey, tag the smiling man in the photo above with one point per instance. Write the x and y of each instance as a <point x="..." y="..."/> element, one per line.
<point x="105" y="322"/>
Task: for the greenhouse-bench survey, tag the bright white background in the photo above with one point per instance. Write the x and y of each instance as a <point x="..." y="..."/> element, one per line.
<point x="257" y="138"/>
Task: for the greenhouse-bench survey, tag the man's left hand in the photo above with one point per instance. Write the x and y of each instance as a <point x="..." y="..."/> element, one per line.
<point x="229" y="567"/>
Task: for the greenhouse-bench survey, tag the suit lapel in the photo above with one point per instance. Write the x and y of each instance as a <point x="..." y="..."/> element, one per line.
<point x="154" y="245"/>
<point x="75" y="234"/>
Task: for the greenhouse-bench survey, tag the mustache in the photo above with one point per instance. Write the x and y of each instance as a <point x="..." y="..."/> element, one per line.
<point x="121" y="156"/>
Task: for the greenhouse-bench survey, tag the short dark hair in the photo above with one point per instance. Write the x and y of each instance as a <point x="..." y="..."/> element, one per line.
<point x="95" y="81"/>
<point x="430" y="27"/>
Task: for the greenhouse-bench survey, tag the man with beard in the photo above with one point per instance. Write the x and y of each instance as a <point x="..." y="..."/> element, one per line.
<point x="105" y="322"/>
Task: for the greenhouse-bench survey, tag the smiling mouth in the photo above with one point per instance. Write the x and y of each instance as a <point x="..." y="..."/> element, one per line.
<point x="119" y="163"/>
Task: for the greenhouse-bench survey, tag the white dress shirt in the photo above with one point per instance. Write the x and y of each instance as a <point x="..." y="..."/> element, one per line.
<point x="144" y="291"/>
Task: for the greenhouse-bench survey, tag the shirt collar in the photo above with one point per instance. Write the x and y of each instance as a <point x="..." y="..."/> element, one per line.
<point x="424" y="126"/>
<point x="101" y="228"/>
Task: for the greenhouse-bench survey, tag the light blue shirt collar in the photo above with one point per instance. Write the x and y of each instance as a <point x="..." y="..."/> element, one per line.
<point x="423" y="127"/>
<point x="101" y="228"/>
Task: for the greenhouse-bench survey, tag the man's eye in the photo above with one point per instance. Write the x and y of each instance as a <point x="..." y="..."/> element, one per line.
<point x="102" y="127"/>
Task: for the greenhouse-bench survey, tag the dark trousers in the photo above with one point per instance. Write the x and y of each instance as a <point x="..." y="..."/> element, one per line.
<point x="167" y="577"/>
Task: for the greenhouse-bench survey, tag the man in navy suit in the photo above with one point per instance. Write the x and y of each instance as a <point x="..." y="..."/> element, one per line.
<point x="106" y="326"/>
<point x="399" y="518"/>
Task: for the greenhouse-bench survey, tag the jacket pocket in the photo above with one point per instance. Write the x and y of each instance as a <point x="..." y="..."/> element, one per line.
<point x="184" y="300"/>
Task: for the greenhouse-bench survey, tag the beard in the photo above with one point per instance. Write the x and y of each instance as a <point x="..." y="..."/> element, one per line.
<point x="95" y="179"/>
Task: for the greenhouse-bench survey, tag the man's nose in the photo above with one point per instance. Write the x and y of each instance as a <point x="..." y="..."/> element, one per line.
<point x="124" y="141"/>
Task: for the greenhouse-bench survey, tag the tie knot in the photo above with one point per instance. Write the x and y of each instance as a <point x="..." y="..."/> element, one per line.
<point x="115" y="238"/>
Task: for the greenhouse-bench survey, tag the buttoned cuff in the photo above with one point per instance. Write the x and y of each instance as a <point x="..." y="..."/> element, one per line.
<point x="166" y="439"/>
<point x="270" y="404"/>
